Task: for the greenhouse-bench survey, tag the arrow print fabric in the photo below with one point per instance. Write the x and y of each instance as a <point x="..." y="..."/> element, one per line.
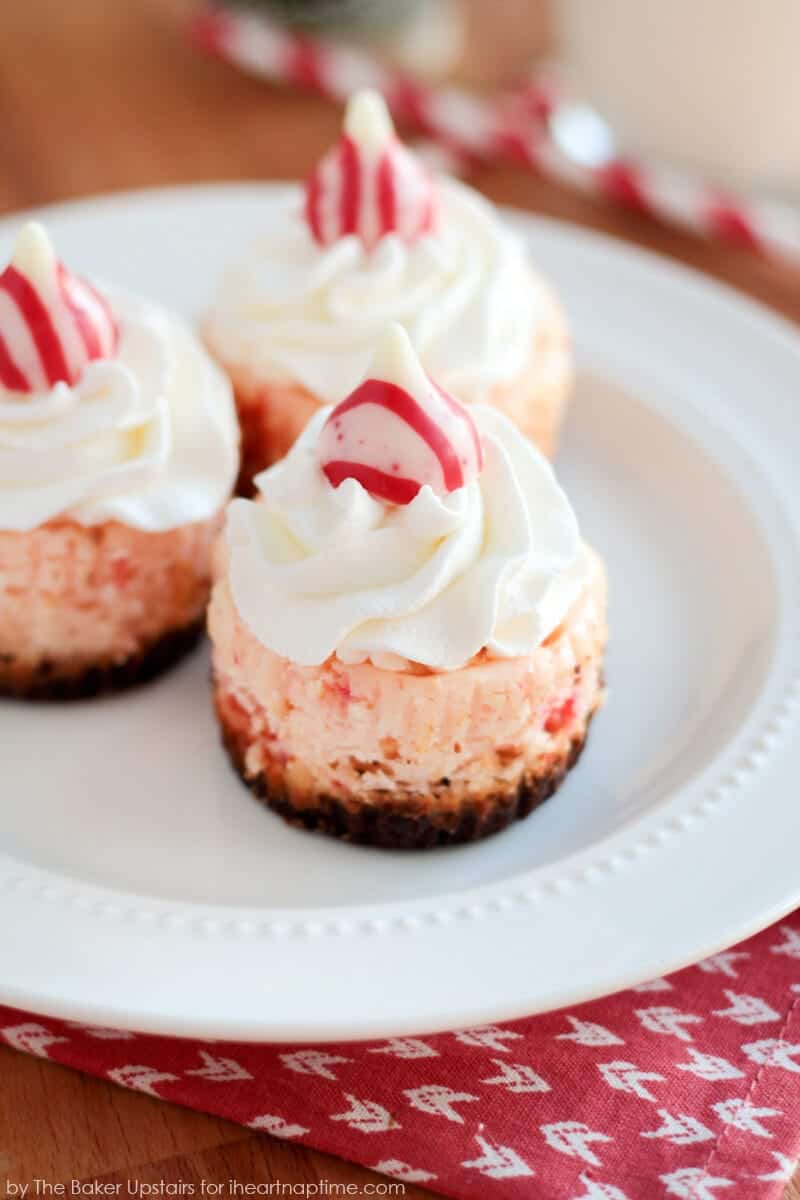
<point x="686" y="1087"/>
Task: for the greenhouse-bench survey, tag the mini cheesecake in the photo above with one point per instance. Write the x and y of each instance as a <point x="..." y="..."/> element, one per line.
<point x="118" y="453"/>
<point x="408" y="632"/>
<point x="374" y="238"/>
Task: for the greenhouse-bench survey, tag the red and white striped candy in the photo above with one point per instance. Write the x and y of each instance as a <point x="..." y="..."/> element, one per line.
<point x="52" y="324"/>
<point x="399" y="431"/>
<point x="369" y="184"/>
<point x="516" y="128"/>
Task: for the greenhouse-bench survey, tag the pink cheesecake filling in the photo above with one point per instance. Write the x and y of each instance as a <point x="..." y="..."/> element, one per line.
<point x="91" y="595"/>
<point x="343" y="730"/>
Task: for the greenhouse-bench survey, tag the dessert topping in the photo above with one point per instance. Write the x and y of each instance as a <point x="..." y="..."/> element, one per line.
<point x="369" y="184"/>
<point x="52" y="323"/>
<point x="399" y="431"/>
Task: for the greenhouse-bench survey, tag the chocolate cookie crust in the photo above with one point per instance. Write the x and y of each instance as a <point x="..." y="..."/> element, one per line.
<point x="407" y="822"/>
<point x="50" y="680"/>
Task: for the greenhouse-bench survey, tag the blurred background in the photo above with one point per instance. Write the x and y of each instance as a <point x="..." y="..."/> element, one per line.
<point x="675" y="125"/>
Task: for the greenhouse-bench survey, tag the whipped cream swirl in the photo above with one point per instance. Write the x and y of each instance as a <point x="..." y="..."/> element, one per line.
<point x="298" y="311"/>
<point x="317" y="571"/>
<point x="148" y="437"/>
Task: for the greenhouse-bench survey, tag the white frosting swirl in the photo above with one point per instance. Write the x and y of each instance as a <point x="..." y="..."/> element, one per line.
<point x="316" y="570"/>
<point x="465" y="293"/>
<point x="148" y="438"/>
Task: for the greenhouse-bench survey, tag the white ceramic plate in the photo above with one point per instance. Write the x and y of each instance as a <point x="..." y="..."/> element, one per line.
<point x="141" y="885"/>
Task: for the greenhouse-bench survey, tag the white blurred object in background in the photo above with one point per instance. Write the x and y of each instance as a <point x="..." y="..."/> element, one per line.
<point x="712" y="85"/>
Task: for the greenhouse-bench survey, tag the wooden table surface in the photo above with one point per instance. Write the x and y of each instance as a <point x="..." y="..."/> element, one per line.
<point x="97" y="95"/>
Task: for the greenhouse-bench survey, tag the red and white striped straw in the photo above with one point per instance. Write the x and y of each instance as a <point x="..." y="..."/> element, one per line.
<point x="515" y="129"/>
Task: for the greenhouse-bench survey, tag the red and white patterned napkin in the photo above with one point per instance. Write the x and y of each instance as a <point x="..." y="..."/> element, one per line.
<point x="684" y="1087"/>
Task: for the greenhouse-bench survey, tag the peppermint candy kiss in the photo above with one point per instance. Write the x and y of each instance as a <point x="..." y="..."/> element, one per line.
<point x="399" y="431"/>
<point x="52" y="324"/>
<point x="369" y="184"/>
